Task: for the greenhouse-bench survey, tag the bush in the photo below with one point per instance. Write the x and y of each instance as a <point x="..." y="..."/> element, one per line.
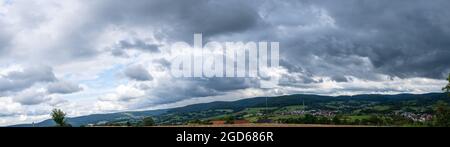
<point x="148" y="121"/>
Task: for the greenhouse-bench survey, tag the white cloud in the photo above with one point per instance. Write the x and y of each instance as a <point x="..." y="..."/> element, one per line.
<point x="32" y="97"/>
<point x="9" y="107"/>
<point x="124" y="93"/>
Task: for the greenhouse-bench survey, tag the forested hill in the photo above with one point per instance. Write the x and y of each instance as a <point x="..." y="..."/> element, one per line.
<point x="395" y="102"/>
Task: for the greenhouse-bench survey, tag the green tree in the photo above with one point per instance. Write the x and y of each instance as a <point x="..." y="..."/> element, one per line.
<point x="309" y="119"/>
<point x="323" y="120"/>
<point x="59" y="117"/>
<point x="447" y="87"/>
<point x="442" y="117"/>
<point x="337" y="119"/>
<point x="374" y="120"/>
<point x="229" y="119"/>
<point x="148" y="121"/>
<point x="357" y="122"/>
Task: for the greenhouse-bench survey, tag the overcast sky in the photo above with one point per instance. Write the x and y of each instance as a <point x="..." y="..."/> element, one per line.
<point x="101" y="56"/>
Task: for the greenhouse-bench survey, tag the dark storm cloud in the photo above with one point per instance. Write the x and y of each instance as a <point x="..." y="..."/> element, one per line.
<point x="401" y="38"/>
<point x="180" y="19"/>
<point x="339" y="79"/>
<point x="323" y="38"/>
<point x="169" y="19"/>
<point x="176" y="90"/>
<point x="182" y="89"/>
<point x="327" y="38"/>
<point x="360" y="38"/>
<point x="229" y="84"/>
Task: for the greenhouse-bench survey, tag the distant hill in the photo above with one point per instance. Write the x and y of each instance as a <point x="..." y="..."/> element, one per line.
<point x="301" y="98"/>
<point x="95" y="118"/>
<point x="239" y="105"/>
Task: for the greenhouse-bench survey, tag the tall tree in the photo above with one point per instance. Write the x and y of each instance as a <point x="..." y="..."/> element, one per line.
<point x="59" y="117"/>
<point x="447" y="87"/>
<point x="442" y="117"/>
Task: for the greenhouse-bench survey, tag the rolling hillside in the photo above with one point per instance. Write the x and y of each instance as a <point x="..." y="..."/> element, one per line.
<point x="313" y="101"/>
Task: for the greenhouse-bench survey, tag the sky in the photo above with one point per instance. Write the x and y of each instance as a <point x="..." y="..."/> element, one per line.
<point x="104" y="56"/>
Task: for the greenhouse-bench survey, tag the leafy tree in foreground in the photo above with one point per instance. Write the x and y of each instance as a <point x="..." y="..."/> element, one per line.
<point x="60" y="118"/>
<point x="442" y="117"/>
<point x="447" y="87"/>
